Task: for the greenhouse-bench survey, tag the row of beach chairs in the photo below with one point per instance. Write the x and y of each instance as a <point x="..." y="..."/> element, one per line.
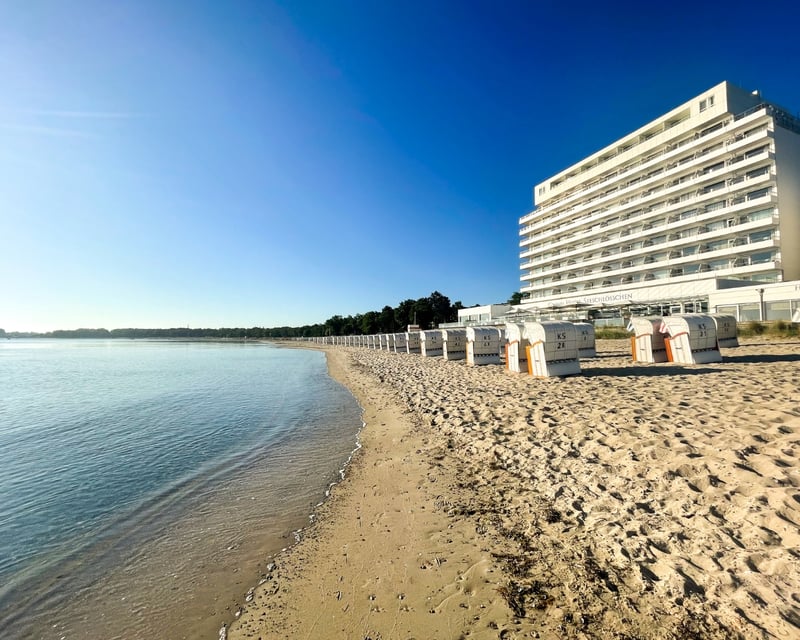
<point x="684" y="339"/>
<point x="554" y="348"/>
<point x="540" y="348"/>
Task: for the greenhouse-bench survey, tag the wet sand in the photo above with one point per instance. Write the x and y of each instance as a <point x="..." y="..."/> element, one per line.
<point x="633" y="501"/>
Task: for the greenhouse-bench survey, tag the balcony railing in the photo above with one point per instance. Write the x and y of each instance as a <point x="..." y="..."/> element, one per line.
<point x="649" y="217"/>
<point x="677" y="188"/>
<point x="733" y="223"/>
<point x="687" y="217"/>
<point x="670" y="148"/>
<point x="757" y="253"/>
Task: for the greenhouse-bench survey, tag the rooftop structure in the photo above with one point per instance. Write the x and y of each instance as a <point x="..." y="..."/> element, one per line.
<point x="704" y="198"/>
<point x="486" y="314"/>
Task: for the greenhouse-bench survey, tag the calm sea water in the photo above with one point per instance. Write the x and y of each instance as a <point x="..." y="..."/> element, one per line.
<point x="143" y="483"/>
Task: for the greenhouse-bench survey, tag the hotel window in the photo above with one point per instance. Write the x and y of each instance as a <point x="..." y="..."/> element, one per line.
<point x="754" y="152"/>
<point x="778" y="310"/>
<point x="749" y="312"/>
<point x="759" y="215"/>
<point x="706" y="103"/>
<point x="760" y="236"/>
<point x="761" y="258"/>
<point x="708" y="131"/>
<point x="714" y="187"/>
<point x="755" y="173"/>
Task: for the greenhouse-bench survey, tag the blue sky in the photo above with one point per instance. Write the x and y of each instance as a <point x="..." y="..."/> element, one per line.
<point x="267" y="163"/>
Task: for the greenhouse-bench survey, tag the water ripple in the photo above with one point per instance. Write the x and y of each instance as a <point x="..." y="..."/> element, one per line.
<point x="107" y="443"/>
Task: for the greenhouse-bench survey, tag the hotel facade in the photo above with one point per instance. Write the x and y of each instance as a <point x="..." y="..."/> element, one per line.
<point x="704" y="199"/>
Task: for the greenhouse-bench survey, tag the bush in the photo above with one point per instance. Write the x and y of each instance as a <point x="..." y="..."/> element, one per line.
<point x="610" y="333"/>
<point x="755" y="328"/>
<point x="777" y="329"/>
<point x="784" y="329"/>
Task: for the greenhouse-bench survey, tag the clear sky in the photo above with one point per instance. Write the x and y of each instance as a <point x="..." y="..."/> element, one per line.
<point x="171" y="163"/>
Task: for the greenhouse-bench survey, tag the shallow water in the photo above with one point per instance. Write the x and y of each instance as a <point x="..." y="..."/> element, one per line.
<point x="143" y="482"/>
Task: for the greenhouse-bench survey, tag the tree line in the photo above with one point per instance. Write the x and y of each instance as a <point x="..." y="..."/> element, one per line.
<point x="427" y="312"/>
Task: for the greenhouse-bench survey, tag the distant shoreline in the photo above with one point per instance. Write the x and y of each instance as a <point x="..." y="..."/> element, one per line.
<point x="154" y="338"/>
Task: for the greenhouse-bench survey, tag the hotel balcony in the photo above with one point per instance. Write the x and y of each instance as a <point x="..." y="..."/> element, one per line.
<point x="661" y="199"/>
<point x="734" y="134"/>
<point x="738" y="268"/>
<point x="758" y="212"/>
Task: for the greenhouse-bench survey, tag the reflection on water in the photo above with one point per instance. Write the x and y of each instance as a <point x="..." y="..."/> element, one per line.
<point x="153" y="478"/>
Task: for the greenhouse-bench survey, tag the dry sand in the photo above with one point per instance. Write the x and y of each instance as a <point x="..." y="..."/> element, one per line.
<point x="633" y="501"/>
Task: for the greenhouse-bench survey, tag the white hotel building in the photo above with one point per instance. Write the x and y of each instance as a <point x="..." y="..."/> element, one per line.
<point x="700" y="200"/>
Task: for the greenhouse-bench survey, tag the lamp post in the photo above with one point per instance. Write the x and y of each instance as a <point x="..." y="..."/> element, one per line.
<point x="761" y="310"/>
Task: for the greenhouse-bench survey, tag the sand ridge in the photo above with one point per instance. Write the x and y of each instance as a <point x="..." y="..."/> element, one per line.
<point x="633" y="501"/>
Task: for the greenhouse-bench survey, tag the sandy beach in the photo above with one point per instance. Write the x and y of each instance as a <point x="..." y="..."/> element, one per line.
<point x="633" y="501"/>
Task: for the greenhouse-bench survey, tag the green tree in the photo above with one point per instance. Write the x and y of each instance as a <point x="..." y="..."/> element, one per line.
<point x="457" y="306"/>
<point x="349" y="326"/>
<point x="334" y="325"/>
<point x="423" y="312"/>
<point x="80" y="333"/>
<point x="387" y="321"/>
<point x="370" y="322"/>
<point x="255" y="333"/>
<point x="404" y="314"/>
<point x="515" y="298"/>
<point x="441" y="308"/>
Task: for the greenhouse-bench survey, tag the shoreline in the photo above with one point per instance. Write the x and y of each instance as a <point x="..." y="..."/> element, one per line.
<point x="489" y="505"/>
<point x="403" y="518"/>
<point x="175" y="560"/>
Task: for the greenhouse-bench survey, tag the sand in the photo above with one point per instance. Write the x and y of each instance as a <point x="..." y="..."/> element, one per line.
<point x="633" y="501"/>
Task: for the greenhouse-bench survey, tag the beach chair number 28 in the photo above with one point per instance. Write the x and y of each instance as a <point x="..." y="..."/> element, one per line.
<point x="561" y="336"/>
<point x="701" y="330"/>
